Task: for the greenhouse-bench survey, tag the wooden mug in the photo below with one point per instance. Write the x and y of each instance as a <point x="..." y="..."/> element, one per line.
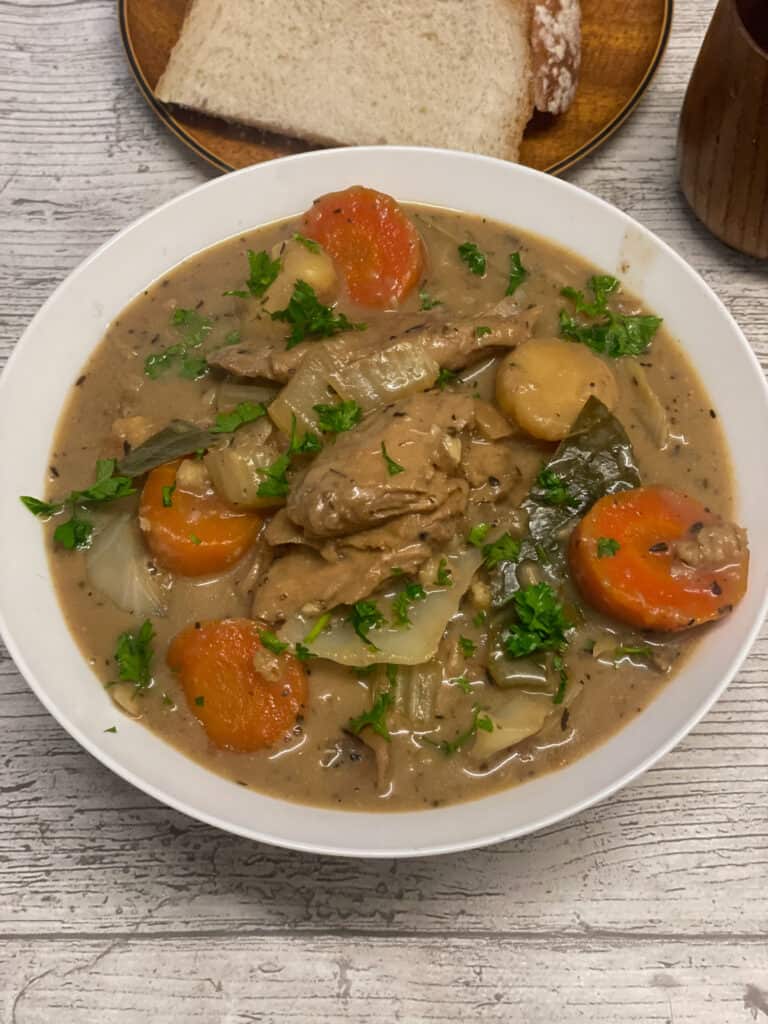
<point x="723" y="138"/>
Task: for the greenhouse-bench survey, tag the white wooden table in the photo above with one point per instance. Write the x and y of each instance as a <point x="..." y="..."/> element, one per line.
<point x="650" y="908"/>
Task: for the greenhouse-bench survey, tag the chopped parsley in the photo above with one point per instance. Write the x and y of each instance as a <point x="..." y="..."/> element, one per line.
<point x="559" y="666"/>
<point x="467" y="646"/>
<point x="244" y="412"/>
<point x="338" y="417"/>
<point x="133" y="654"/>
<point x="444" y="576"/>
<point x="517" y="273"/>
<point x="473" y="257"/>
<point x="231" y="338"/>
<point x="302" y="653"/>
<point x="541" y="623"/>
<point x="200" y="701"/>
<point x="480" y="618"/>
<point x="275" y="483"/>
<point x="463" y="684"/>
<point x="272" y="642"/>
<point x="308" y="243"/>
<point x="607" y="547"/>
<point x="477" y="534"/>
<point x="393" y="468"/>
<point x="446" y="377"/>
<point x="426" y="302"/>
<point x="195" y="539"/>
<point x="194" y="329"/>
<point x="481" y="331"/>
<point x="409" y="595"/>
<point x="611" y="334"/>
<point x="40" y="508"/>
<point x="480" y="722"/>
<point x="112" y="728"/>
<point x="628" y="651"/>
<point x="262" y="272"/>
<point x="309" y="318"/>
<point x="167" y="493"/>
<point x="74" y="535"/>
<point x="307" y="444"/>
<point x="555" y="490"/>
<point x="376" y="717"/>
<point x="364" y="616"/>
<point x="504" y="549"/>
<point x="317" y="628"/>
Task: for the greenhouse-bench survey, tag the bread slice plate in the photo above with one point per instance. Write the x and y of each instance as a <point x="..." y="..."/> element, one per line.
<point x="622" y="44"/>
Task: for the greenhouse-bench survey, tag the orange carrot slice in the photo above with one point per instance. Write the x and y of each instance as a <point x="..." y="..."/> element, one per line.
<point x="373" y="243"/>
<point x="192" y="534"/>
<point x="625" y="557"/>
<point x="240" y="707"/>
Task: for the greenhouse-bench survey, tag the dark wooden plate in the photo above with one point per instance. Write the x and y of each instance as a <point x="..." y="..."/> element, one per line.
<point x="622" y="41"/>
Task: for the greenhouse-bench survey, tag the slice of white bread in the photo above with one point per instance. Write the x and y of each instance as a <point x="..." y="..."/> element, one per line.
<point x="452" y="73"/>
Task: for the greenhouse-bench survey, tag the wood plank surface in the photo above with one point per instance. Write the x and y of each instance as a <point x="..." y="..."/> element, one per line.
<point x="113" y="909"/>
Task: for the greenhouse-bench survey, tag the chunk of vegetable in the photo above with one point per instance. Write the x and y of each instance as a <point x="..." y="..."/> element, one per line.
<point x="411" y="646"/>
<point x="197" y="534"/>
<point x="240" y="706"/>
<point x="398" y="371"/>
<point x="118" y="565"/>
<point x="298" y="263"/>
<point x="544" y="384"/>
<point x="523" y="715"/>
<point x="373" y="243"/>
<point x="647" y="583"/>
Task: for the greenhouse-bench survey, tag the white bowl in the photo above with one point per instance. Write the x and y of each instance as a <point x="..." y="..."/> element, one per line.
<point x="48" y="358"/>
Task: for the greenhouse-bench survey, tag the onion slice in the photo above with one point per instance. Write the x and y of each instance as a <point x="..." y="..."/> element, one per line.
<point x="119" y="565"/>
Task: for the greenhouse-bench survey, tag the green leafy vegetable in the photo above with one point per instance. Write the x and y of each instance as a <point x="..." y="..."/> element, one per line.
<point x="112" y="728"/>
<point x="200" y="701"/>
<point x="477" y="534"/>
<point x="275" y="483"/>
<point x="133" y="655"/>
<point x="473" y="258"/>
<point x="195" y="539"/>
<point x="179" y="438"/>
<point x="74" y="534"/>
<point x="480" y="618"/>
<point x="262" y="272"/>
<point x="426" y="302"/>
<point x="554" y="490"/>
<point x="308" y="243"/>
<point x="505" y="549"/>
<point x="167" y="492"/>
<point x="41" y="508"/>
<point x="628" y="651"/>
<point x="194" y="328"/>
<point x="444" y="577"/>
<point x="309" y="318"/>
<point x="376" y="717"/>
<point x="302" y="653"/>
<point x="336" y="418"/>
<point x="559" y="666"/>
<point x="393" y="468"/>
<point x="467" y="646"/>
<point x="463" y="684"/>
<point x="480" y="332"/>
<point x="517" y="273"/>
<point x="540" y="623"/>
<point x="613" y="334"/>
<point x="244" y="412"/>
<point x="317" y="628"/>
<point x="446" y="377"/>
<point x="607" y="547"/>
<point x="480" y="722"/>
<point x="272" y="642"/>
<point x="364" y="616"/>
<point x="409" y="595"/>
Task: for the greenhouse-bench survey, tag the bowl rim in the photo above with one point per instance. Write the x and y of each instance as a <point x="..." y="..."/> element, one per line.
<point x="494" y="835"/>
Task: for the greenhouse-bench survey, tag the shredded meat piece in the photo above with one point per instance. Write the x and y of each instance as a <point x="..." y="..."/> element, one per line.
<point x="713" y="546"/>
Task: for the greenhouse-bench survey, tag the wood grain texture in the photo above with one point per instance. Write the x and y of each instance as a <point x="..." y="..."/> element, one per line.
<point x="723" y="152"/>
<point x="113" y="909"/>
<point x="618" y="55"/>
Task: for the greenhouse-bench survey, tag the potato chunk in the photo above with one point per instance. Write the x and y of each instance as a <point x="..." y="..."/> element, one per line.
<point x="544" y="384"/>
<point x="313" y="265"/>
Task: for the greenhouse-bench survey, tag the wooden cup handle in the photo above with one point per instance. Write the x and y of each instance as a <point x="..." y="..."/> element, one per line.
<point x="723" y="137"/>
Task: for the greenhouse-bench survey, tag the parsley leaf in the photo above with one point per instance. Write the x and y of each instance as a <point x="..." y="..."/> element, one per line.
<point x="167" y="493"/>
<point x="627" y="651"/>
<point x="74" y="534"/>
<point x="426" y="302"/>
<point x="272" y="642"/>
<point x="517" y="273"/>
<point x="364" y="616"/>
<point x="409" y="595"/>
<point x="477" y="534"/>
<point x="480" y="721"/>
<point x="244" y="412"/>
<point x="308" y="243"/>
<point x="133" y="655"/>
<point x="444" y="577"/>
<point x="376" y="717"/>
<point x="555" y="490"/>
<point x="467" y="646"/>
<point x="307" y="444"/>
<point x="112" y="728"/>
<point x="463" y="684"/>
<point x="275" y="483"/>
<point x="194" y="328"/>
<point x="446" y="377"/>
<point x="541" y="623"/>
<point x="302" y="653"/>
<point x="481" y="331"/>
<point x="336" y="418"/>
<point x="262" y="272"/>
<point x="473" y="257"/>
<point x="504" y="549"/>
<point x="607" y="547"/>
<point x="309" y="318"/>
<point x="559" y="666"/>
<point x="393" y="468"/>
<point x="614" y="334"/>
<point x="40" y="508"/>
<point x="200" y="701"/>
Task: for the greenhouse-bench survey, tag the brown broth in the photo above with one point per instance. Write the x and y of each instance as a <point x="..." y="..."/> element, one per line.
<point x="320" y="764"/>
